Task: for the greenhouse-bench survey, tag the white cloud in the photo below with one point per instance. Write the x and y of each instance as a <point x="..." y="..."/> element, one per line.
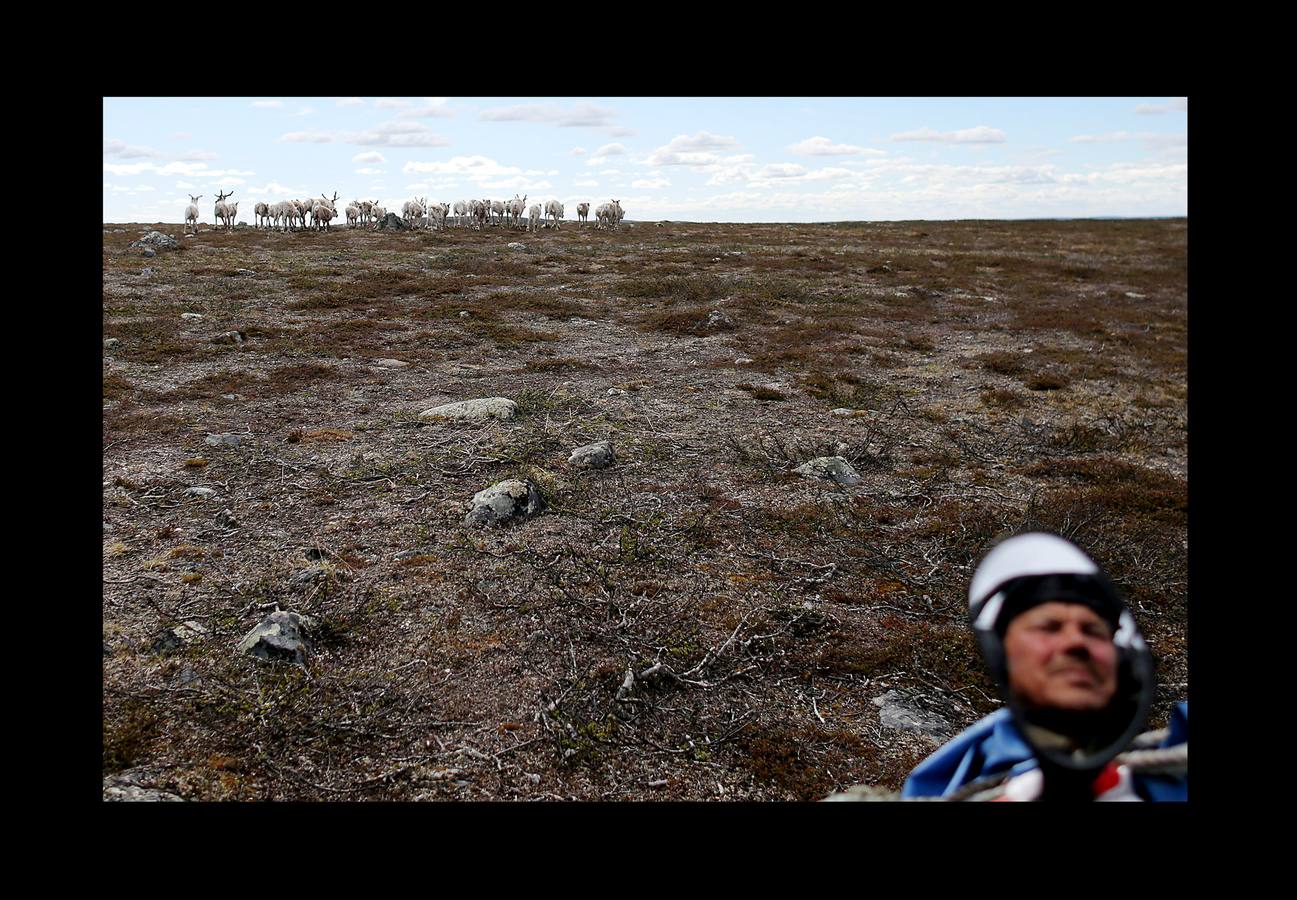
<point x="433" y="108"/>
<point x="304" y="111"/>
<point x="1178" y="104"/>
<point x="622" y="131"/>
<point x="474" y="168"/>
<point x="600" y="156"/>
<point x="649" y="183"/>
<point x="389" y="134"/>
<point x="576" y="151"/>
<point x="822" y="146"/>
<point x="349" y="101"/>
<point x="610" y="171"/>
<point x="182" y="135"/>
<point x="268" y="104"/>
<point x="368" y="171"/>
<point x="391" y="103"/>
<point x="586" y="183"/>
<point x="369" y="156"/>
<point x="122" y="150"/>
<point x="982" y="134"/>
<point x="196" y="155"/>
<point x="582" y="116"/>
<point x="1152" y="140"/>
<point x="691" y="150"/>
<point x="517" y="183"/>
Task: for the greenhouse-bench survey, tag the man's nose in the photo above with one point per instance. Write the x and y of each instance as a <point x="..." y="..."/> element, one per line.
<point x="1075" y="643"/>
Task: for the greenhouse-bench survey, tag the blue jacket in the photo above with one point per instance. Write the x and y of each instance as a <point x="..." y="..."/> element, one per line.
<point x="993" y="745"/>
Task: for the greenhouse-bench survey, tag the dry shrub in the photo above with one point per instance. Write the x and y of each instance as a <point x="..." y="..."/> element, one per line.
<point x="999" y="398"/>
<point x="116" y="387"/>
<point x="1045" y="381"/>
<point x="325" y="435"/>
<point x="799" y="760"/>
<point x="1003" y="362"/>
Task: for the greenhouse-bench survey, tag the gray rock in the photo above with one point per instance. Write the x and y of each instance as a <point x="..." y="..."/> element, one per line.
<point x="156" y="239"/>
<point x="229" y="337"/>
<point x="847" y="413"/>
<point x="149" y="253"/>
<point x="226" y="519"/>
<point x="146" y="271"/>
<point x="899" y="711"/>
<point x="108" y="651"/>
<point x="516" y="245"/>
<point x="598" y="455"/>
<point x="133" y="786"/>
<point x="485" y="408"/>
<point x="112" y="343"/>
<point x="390" y="363"/>
<point x="245" y="272"/>
<point x="280" y="636"/>
<point x="393" y="221"/>
<point x="507" y="501"/>
<point x="743" y="360"/>
<point x="832" y="468"/>
<point x="193" y="317"/>
<point x="406" y="554"/>
<point x="718" y="319"/>
<point x="307" y="577"/>
<point x="182" y="635"/>
<point x="205" y="492"/>
<point x="222" y="440"/>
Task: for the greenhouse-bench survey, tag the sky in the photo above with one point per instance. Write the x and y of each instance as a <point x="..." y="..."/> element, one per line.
<point x="783" y="159"/>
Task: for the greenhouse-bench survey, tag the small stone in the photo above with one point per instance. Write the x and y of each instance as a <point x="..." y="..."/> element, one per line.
<point x="193" y="317"/>
<point x="149" y="252"/>
<point x="205" y="492"/>
<point x="463" y="313"/>
<point x="506" y="501"/>
<point x="146" y="271"/>
<point x="598" y="455"/>
<point x="405" y="554"/>
<point x="226" y="519"/>
<point x="485" y="408"/>
<point x="832" y="468"/>
<point x="112" y="343"/>
<point x="718" y="319"/>
<point x="844" y="412"/>
<point x="229" y="337"/>
<point x="616" y="392"/>
<point x="515" y="245"/>
<point x="391" y="363"/>
<point x="743" y="360"/>
<point x="310" y="576"/>
<point x="222" y="440"/>
<point x="245" y="272"/>
<point x="280" y="636"/>
<point x="1134" y="296"/>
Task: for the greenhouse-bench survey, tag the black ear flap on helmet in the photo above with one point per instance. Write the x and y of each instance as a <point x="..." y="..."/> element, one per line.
<point x="1032" y="568"/>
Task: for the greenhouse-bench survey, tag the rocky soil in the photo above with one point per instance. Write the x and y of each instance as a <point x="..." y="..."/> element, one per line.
<point x="754" y="590"/>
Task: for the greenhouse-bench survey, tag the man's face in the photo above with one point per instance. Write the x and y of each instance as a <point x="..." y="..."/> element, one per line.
<point x="1061" y="656"/>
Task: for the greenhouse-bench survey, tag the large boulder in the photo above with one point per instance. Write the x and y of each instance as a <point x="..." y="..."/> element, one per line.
<point x="484" y="408"/>
<point x="507" y="501"/>
<point x="393" y="221"/>
<point x="899" y="710"/>
<point x="831" y="468"/>
<point x="280" y="636"/>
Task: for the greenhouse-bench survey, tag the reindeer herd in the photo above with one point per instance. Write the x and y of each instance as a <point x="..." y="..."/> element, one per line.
<point x="417" y="213"/>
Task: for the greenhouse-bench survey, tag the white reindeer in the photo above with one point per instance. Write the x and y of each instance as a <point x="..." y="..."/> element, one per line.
<point x="260" y="212"/>
<point x="353" y="213"/>
<point x="222" y="208"/>
<point x="553" y="209"/>
<point x="191" y="213"/>
<point x="533" y="214"/>
<point x="323" y="211"/>
<point x="516" y="208"/>
<point x="583" y="212"/>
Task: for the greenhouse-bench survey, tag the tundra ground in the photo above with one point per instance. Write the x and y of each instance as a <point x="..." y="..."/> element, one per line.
<point x="1001" y="376"/>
